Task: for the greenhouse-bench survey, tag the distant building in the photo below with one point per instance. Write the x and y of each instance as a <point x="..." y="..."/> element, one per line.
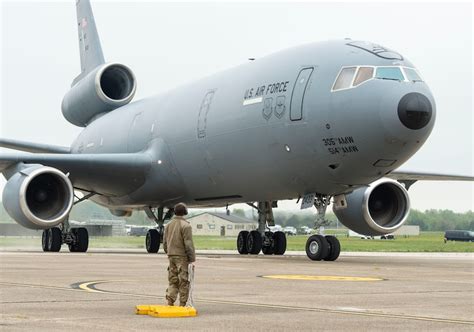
<point x="102" y="227"/>
<point x="95" y="227"/>
<point x="220" y="224"/>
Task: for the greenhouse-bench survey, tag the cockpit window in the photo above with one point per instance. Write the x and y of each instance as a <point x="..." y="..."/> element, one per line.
<point x="389" y="73"/>
<point x="352" y="77"/>
<point x="412" y="75"/>
<point x="363" y="74"/>
<point x="344" y="80"/>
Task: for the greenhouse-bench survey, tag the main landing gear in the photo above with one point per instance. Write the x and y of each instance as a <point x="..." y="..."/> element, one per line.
<point x="77" y="239"/>
<point x="262" y="239"/>
<point x="155" y="236"/>
<point x="320" y="247"/>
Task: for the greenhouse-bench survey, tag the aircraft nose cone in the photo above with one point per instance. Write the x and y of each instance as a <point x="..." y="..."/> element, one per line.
<point x="415" y="110"/>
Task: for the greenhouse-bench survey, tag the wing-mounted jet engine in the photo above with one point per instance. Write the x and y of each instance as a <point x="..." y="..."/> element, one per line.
<point x="38" y="197"/>
<point x="377" y="209"/>
<point x="104" y="89"/>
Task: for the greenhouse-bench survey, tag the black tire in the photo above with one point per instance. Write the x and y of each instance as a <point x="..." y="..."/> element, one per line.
<point x="152" y="241"/>
<point x="54" y="239"/>
<point x="254" y="242"/>
<point x="82" y="239"/>
<point x="334" y="248"/>
<point x="44" y="240"/>
<point x="268" y="245"/>
<point x="317" y="247"/>
<point x="242" y="242"/>
<point x="279" y="240"/>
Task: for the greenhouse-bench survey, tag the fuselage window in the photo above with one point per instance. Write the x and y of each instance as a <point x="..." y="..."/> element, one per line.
<point x="412" y="75"/>
<point x="344" y="80"/>
<point x="389" y="73"/>
<point x="363" y="74"/>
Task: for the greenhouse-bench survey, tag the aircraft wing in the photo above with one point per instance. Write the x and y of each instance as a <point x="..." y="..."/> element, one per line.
<point x="411" y="177"/>
<point x="32" y="147"/>
<point x="107" y="174"/>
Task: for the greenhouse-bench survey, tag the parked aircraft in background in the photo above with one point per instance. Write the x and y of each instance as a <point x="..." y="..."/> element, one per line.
<point x="325" y="121"/>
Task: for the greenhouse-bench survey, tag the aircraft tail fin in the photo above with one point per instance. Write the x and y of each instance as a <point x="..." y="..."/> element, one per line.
<point x="89" y="42"/>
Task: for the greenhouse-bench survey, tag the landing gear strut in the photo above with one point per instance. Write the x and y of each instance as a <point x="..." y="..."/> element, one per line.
<point x="262" y="239"/>
<point x="320" y="247"/>
<point x="155" y="236"/>
<point x="77" y="239"/>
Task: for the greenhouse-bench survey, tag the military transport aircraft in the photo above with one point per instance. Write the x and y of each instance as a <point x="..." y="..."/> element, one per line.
<point x="330" y="121"/>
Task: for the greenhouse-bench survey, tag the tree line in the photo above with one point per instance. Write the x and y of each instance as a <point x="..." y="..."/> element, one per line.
<point x="429" y="220"/>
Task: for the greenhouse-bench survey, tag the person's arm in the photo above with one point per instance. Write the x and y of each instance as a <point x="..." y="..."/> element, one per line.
<point x="188" y="244"/>
<point x="165" y="244"/>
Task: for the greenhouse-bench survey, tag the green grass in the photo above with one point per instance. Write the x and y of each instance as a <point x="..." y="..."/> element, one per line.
<point x="426" y="242"/>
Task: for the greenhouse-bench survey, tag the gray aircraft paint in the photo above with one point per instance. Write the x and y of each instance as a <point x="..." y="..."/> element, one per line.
<point x="243" y="153"/>
<point x="211" y="143"/>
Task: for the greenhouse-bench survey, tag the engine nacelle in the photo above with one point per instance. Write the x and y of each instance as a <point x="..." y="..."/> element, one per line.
<point x="377" y="209"/>
<point x="38" y="197"/>
<point x="104" y="89"/>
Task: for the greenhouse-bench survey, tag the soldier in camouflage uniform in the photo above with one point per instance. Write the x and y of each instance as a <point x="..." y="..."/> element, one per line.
<point x="178" y="244"/>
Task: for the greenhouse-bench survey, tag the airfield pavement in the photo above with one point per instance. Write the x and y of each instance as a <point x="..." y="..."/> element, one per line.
<point x="98" y="291"/>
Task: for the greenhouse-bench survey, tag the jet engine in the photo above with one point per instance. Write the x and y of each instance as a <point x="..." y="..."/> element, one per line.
<point x="377" y="209"/>
<point x="104" y="89"/>
<point x="38" y="197"/>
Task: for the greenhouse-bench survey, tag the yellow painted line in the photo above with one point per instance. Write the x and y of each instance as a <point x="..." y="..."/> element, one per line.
<point x="319" y="278"/>
<point x="86" y="287"/>
<point x="365" y="313"/>
<point x="90" y="286"/>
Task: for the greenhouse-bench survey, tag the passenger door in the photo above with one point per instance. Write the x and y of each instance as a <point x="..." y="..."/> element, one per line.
<point x="297" y="98"/>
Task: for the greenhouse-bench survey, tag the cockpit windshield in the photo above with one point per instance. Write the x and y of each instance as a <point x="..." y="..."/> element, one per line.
<point x="389" y="73"/>
<point x="412" y="74"/>
<point x="353" y="76"/>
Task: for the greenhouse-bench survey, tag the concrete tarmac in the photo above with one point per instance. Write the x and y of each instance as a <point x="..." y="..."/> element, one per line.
<point x="99" y="290"/>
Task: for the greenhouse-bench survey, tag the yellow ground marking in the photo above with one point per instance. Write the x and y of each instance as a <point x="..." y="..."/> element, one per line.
<point x="90" y="285"/>
<point x="319" y="278"/>
<point x="366" y="313"/>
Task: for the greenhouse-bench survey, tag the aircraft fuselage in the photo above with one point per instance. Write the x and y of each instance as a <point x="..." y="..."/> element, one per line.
<point x="267" y="130"/>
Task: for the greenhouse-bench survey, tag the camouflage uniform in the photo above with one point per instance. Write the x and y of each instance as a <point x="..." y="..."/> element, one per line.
<point x="178" y="244"/>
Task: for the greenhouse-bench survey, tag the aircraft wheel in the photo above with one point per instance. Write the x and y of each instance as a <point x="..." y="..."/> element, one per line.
<point x="334" y="248"/>
<point x="242" y="242"/>
<point x="45" y="240"/>
<point x="81" y="243"/>
<point x="279" y="240"/>
<point x="152" y="241"/>
<point x="254" y="242"/>
<point x="82" y="239"/>
<point x="268" y="246"/>
<point x="317" y="247"/>
<point x="54" y="239"/>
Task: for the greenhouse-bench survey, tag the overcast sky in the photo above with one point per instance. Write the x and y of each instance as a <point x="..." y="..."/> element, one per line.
<point x="168" y="44"/>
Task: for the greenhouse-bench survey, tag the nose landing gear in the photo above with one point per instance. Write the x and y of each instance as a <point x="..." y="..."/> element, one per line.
<point x="155" y="236"/>
<point x="320" y="247"/>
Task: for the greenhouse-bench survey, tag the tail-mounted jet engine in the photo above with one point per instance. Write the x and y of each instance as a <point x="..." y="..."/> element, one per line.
<point x="104" y="89"/>
<point x="377" y="209"/>
<point x="38" y="197"/>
